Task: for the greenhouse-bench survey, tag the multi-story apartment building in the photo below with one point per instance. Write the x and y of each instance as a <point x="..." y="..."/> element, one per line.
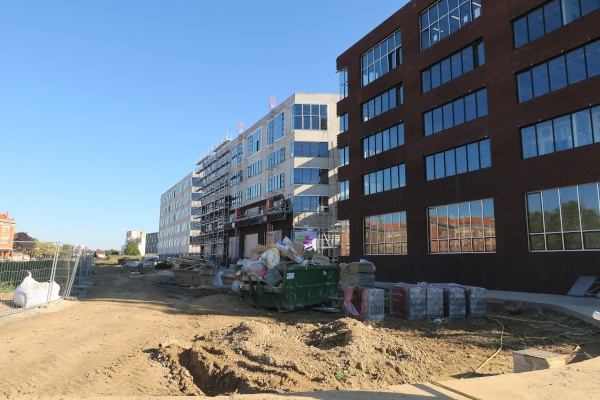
<point x="7" y="235"/>
<point x="138" y="237"/>
<point x="152" y="243"/>
<point x="177" y="205"/>
<point x="484" y="170"/>
<point x="276" y="179"/>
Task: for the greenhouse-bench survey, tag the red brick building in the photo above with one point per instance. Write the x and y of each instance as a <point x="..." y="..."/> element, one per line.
<point x="485" y="169"/>
<point x="7" y="235"/>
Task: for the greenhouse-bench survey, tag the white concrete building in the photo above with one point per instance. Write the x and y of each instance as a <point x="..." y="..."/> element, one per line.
<point x="175" y="221"/>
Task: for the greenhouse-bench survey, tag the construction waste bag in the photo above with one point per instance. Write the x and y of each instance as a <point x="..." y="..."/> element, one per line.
<point x="32" y="293"/>
<point x="218" y="281"/>
<point x="271" y="257"/>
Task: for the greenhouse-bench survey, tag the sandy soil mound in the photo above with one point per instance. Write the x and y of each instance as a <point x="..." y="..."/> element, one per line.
<point x="253" y="357"/>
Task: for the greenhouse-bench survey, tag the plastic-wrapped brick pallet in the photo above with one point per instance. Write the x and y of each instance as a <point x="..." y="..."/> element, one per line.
<point x="435" y="302"/>
<point x="367" y="303"/>
<point x="455" y="304"/>
<point x="409" y="301"/>
<point x="476" y="302"/>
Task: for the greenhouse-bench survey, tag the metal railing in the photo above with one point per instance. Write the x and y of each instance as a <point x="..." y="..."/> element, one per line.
<point x="52" y="265"/>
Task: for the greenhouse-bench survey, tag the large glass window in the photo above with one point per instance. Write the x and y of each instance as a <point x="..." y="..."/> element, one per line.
<point x="344" y="190"/>
<point x="446" y="17"/>
<point x="237" y="154"/>
<point x="253" y="169"/>
<point x="462" y="228"/>
<point x="310" y="149"/>
<point x="458" y="112"/>
<point x="276" y="157"/>
<point x="382" y="58"/>
<point x="309" y="203"/>
<point x="309" y="117"/>
<point x="549" y="17"/>
<point x="453" y="66"/>
<point x="384" y="180"/>
<point x="385" y="234"/>
<point x="344" y="123"/>
<point x="382" y="103"/>
<point x="459" y="160"/>
<point x="276" y="182"/>
<point x="578" y="129"/>
<point x="383" y="141"/>
<point x="343" y="83"/>
<point x="310" y="176"/>
<point x="253" y="191"/>
<point x="255" y="142"/>
<point x="276" y="128"/>
<point x="344" y="156"/>
<point x="564" y="219"/>
<point x="566" y="69"/>
<point x="345" y="238"/>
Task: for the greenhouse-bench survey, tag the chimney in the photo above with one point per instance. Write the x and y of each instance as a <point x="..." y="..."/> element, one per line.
<point x="7" y="214"/>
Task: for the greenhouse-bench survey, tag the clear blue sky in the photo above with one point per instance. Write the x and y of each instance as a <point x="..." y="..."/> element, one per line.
<point x="104" y="105"/>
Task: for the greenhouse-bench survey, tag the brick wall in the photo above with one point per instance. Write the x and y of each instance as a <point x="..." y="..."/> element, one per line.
<point x="512" y="267"/>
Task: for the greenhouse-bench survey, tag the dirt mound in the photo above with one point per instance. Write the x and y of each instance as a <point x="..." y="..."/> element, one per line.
<point x="252" y="357"/>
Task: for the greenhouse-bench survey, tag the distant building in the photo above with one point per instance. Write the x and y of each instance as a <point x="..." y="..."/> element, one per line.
<point x="152" y="243"/>
<point x="101" y="254"/>
<point x="139" y="238"/>
<point x="7" y="234"/>
<point x="177" y="205"/>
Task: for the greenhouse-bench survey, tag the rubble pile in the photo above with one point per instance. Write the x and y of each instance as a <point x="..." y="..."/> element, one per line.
<point x="268" y="263"/>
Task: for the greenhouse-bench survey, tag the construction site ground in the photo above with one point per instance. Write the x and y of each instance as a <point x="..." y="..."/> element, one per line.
<point x="107" y="344"/>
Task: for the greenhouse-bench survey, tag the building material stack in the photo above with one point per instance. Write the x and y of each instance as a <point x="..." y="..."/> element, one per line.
<point x="349" y="275"/>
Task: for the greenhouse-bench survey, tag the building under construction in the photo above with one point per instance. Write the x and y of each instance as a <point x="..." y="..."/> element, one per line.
<point x="278" y="178"/>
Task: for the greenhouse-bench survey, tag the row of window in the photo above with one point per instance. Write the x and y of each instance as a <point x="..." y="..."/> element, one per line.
<point x="310" y="149"/>
<point x="253" y="169"/>
<point x="310" y="176"/>
<point x="459" y="160"/>
<point x="383" y="141"/>
<point x="463" y="228"/>
<point x="549" y="17"/>
<point x="276" y="128"/>
<point x="573" y="67"/>
<point x="344" y="123"/>
<point x="345" y="238"/>
<point x="578" y="129"/>
<point x="344" y="156"/>
<point x="343" y="83"/>
<point x="253" y="191"/>
<point x="384" y="180"/>
<point x="276" y="157"/>
<point x="446" y="17"/>
<point x="175" y="229"/>
<point x="255" y="142"/>
<point x="275" y="183"/>
<point x="382" y="58"/>
<point x="236" y="178"/>
<point x="564" y="219"/>
<point x="458" y="112"/>
<point x="453" y="66"/>
<point x="309" y="117"/>
<point x="385" y="234"/>
<point x="309" y="203"/>
<point x="344" y="190"/>
<point x="382" y="103"/>
<point x="183" y="241"/>
<point x="237" y="154"/>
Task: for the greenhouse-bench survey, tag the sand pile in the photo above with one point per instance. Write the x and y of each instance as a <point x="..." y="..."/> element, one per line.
<point x="252" y="357"/>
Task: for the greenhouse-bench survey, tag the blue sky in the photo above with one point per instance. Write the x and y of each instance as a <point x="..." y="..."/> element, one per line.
<point x="104" y="105"/>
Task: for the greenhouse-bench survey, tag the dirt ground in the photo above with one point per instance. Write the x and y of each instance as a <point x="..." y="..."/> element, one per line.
<point x="214" y="344"/>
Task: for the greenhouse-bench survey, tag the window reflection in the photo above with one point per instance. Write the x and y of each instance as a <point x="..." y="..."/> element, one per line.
<point x="385" y="234"/>
<point x="463" y="228"/>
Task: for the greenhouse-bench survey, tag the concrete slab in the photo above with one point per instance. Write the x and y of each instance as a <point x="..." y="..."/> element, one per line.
<point x="580" y="307"/>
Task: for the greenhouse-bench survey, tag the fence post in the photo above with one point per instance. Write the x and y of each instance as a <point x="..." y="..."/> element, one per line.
<point x="70" y="284"/>
<point x="53" y="272"/>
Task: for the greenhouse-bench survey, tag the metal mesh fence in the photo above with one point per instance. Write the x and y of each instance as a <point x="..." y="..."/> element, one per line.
<point x="49" y="269"/>
<point x="84" y="269"/>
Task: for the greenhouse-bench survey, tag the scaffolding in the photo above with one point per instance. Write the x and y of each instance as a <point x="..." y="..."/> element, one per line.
<point x="211" y="216"/>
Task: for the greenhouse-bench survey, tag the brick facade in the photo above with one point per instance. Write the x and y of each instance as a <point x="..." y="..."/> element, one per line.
<point x="510" y="177"/>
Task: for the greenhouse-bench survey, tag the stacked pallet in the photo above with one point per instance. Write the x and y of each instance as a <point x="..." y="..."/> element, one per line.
<point x="366" y="277"/>
<point x="349" y="275"/>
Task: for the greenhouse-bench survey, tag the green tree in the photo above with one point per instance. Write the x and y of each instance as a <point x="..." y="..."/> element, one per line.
<point x="132" y="249"/>
<point x="95" y="255"/>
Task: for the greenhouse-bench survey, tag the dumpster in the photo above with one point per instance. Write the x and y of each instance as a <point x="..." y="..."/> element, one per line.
<point x="302" y="286"/>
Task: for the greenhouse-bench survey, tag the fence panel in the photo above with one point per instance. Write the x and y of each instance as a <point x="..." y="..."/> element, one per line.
<point x="52" y="265"/>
